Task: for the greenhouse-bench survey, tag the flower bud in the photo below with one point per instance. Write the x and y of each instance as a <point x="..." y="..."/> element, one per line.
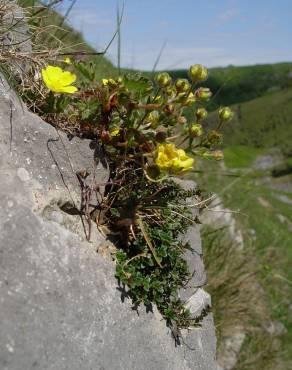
<point x="161" y="136"/>
<point x="182" y="120"/>
<point x="182" y="85"/>
<point x="191" y="99"/>
<point x="105" y="136"/>
<point x="158" y="99"/>
<point x="225" y="114"/>
<point x="153" y="118"/>
<point x="115" y="132"/>
<point x="169" y="108"/>
<point x="201" y="113"/>
<point x="218" y="155"/>
<point x="203" y="93"/>
<point x="214" y="137"/>
<point x="163" y="79"/>
<point x="67" y="60"/>
<point x="170" y="91"/>
<point x="196" y="130"/>
<point x="198" y="73"/>
<point x="110" y="82"/>
<point x="172" y="121"/>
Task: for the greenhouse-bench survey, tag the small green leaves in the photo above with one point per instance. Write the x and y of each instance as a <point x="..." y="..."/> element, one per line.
<point x="138" y="84"/>
<point x="137" y="267"/>
<point x="87" y="71"/>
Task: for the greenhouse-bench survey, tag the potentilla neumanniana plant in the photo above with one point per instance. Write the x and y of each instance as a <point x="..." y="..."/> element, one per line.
<point x="147" y="137"/>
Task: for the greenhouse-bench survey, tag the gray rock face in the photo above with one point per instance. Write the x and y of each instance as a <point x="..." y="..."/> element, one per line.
<point x="16" y="38"/>
<point x="59" y="303"/>
<point x="269" y="160"/>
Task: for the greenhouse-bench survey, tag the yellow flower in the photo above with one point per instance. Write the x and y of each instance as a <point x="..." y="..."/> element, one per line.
<point x="106" y="82"/>
<point x="115" y="132"/>
<point x="67" y="60"/>
<point x="169" y="158"/>
<point x="59" y="81"/>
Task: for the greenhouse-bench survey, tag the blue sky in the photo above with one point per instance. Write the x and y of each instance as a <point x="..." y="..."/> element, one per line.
<point x="211" y="32"/>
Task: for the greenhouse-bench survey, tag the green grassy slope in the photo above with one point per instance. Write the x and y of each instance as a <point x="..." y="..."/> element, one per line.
<point x="266" y="223"/>
<point x="264" y="122"/>
<point x="239" y="84"/>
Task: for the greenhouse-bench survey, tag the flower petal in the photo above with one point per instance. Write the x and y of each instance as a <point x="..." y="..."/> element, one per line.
<point x="68" y="78"/>
<point x="69" y="89"/>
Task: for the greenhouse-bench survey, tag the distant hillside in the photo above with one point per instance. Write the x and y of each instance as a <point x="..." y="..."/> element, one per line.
<point x="263" y="122"/>
<point x="232" y="85"/>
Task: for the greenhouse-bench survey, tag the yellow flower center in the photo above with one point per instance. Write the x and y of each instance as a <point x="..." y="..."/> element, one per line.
<point x="173" y="160"/>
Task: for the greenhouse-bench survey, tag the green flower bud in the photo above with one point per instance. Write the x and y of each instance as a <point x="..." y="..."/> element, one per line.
<point x="198" y="73"/>
<point x="225" y="114"/>
<point x="214" y="137"/>
<point x="153" y="118"/>
<point x="112" y="82"/>
<point x="170" y="91"/>
<point x="216" y="154"/>
<point x="201" y="113"/>
<point x="196" y="130"/>
<point x="169" y="108"/>
<point x="158" y="99"/>
<point x="203" y="93"/>
<point x="191" y="99"/>
<point x="182" y="120"/>
<point x="163" y="79"/>
<point x="182" y="85"/>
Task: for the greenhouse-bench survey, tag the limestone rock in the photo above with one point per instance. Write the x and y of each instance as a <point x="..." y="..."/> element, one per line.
<point x="199" y="302"/>
<point x="231" y="345"/>
<point x="217" y="217"/>
<point x="275" y="328"/>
